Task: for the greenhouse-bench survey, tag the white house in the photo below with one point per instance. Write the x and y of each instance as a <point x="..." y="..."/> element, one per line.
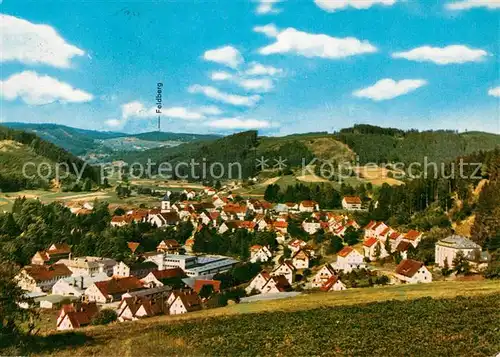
<point x="260" y="253"/>
<point x="111" y="290"/>
<point x="75" y="316"/>
<point x="413" y="272"/>
<point x="348" y="259"/>
<point x="89" y="265"/>
<point x="448" y="248"/>
<point x="351" y="203"/>
<point x="296" y="245"/>
<point x="308" y="206"/>
<point x="370" y="247"/>
<point x="38" y="278"/>
<point x="287" y="269"/>
<point x="322" y="276"/>
<point x="276" y="284"/>
<point x="301" y="259"/>
<point x="311" y="226"/>
<point x="333" y="284"/>
<point x="258" y="282"/>
<point x="76" y="285"/>
<point x="185" y="302"/>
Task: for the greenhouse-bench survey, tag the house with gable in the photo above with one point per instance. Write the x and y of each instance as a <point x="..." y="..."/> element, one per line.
<point x="308" y="206"/>
<point x="349" y="259"/>
<point x="111" y="290"/>
<point x="55" y="252"/>
<point x="322" y="276"/>
<point x="301" y="259"/>
<point x="259" y="253"/>
<point x="276" y="284"/>
<point x="351" y="203"/>
<point x="185" y="302"/>
<point x="333" y="284"/>
<point x="75" y="316"/>
<point x="258" y="282"/>
<point x="286" y="269"/>
<point x="413" y="272"/>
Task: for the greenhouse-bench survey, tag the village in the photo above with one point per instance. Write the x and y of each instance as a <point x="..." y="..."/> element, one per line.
<point x="175" y="279"/>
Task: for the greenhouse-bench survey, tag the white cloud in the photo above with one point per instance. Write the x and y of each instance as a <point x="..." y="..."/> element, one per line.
<point x="214" y="93"/>
<point x="138" y="110"/>
<point x="257" y="69"/>
<point x="114" y="123"/>
<point x="257" y="84"/>
<point x="470" y="4"/>
<point x="239" y="123"/>
<point x="494" y="92"/>
<point x="37" y="89"/>
<point x="317" y="45"/>
<point x="30" y="43"/>
<point x="221" y="76"/>
<point x="270" y="30"/>
<point x="267" y="7"/>
<point x="210" y="110"/>
<point x="455" y="54"/>
<point x="227" y="55"/>
<point x="335" y="5"/>
<point x="388" y="89"/>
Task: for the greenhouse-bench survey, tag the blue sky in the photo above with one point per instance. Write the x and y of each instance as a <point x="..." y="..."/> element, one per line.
<point x="280" y="67"/>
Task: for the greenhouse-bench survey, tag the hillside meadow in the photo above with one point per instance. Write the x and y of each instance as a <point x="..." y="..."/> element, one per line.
<point x="440" y="319"/>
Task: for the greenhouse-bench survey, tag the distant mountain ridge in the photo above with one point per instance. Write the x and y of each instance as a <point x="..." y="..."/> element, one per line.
<point x="83" y="142"/>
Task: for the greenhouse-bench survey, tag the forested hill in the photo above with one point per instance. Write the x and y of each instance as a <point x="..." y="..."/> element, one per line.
<point x="77" y="141"/>
<point x="19" y="147"/>
<point x="383" y="145"/>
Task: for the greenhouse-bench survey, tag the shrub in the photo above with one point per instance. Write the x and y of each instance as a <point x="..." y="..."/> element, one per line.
<point x="104" y="317"/>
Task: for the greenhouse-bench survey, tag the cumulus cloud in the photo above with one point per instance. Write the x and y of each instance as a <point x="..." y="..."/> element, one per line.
<point x="316" y="45"/>
<point x="256" y="84"/>
<point x="239" y="123"/>
<point x="455" y="54"/>
<point x="336" y="5"/>
<point x="270" y="30"/>
<point x="494" y="92"/>
<point x="233" y="99"/>
<point x="267" y="7"/>
<point x="471" y="4"/>
<point x="137" y="109"/>
<point x="257" y="69"/>
<point x="114" y="123"/>
<point x="30" y="43"/>
<point x="221" y="76"/>
<point x="388" y="89"/>
<point x="37" y="89"/>
<point x="227" y="55"/>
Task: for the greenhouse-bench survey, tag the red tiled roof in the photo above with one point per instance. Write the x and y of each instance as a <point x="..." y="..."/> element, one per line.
<point x="44" y="272"/>
<point x="308" y="203"/>
<point x="408" y="267"/>
<point x="345" y="251"/>
<point x="352" y="200"/>
<point x="255" y="247"/>
<point x="394" y="235"/>
<point x="280" y="224"/>
<point x="329" y="283"/>
<point x="370" y="241"/>
<point x="168" y="273"/>
<point x="371" y="225"/>
<point x="133" y="246"/>
<point x="119" y="285"/>
<point x="412" y="235"/>
<point x="198" y="285"/>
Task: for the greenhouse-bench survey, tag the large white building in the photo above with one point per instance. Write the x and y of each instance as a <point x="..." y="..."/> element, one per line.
<point x="348" y="259"/>
<point x="193" y="265"/>
<point x="448" y="248"/>
<point x="89" y="265"/>
<point x="76" y="285"/>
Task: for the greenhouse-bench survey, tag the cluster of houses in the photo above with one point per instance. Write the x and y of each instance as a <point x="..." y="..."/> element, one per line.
<point x="144" y="289"/>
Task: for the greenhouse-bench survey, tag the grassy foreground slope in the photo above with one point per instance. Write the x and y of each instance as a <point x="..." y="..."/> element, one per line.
<point x="377" y="321"/>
